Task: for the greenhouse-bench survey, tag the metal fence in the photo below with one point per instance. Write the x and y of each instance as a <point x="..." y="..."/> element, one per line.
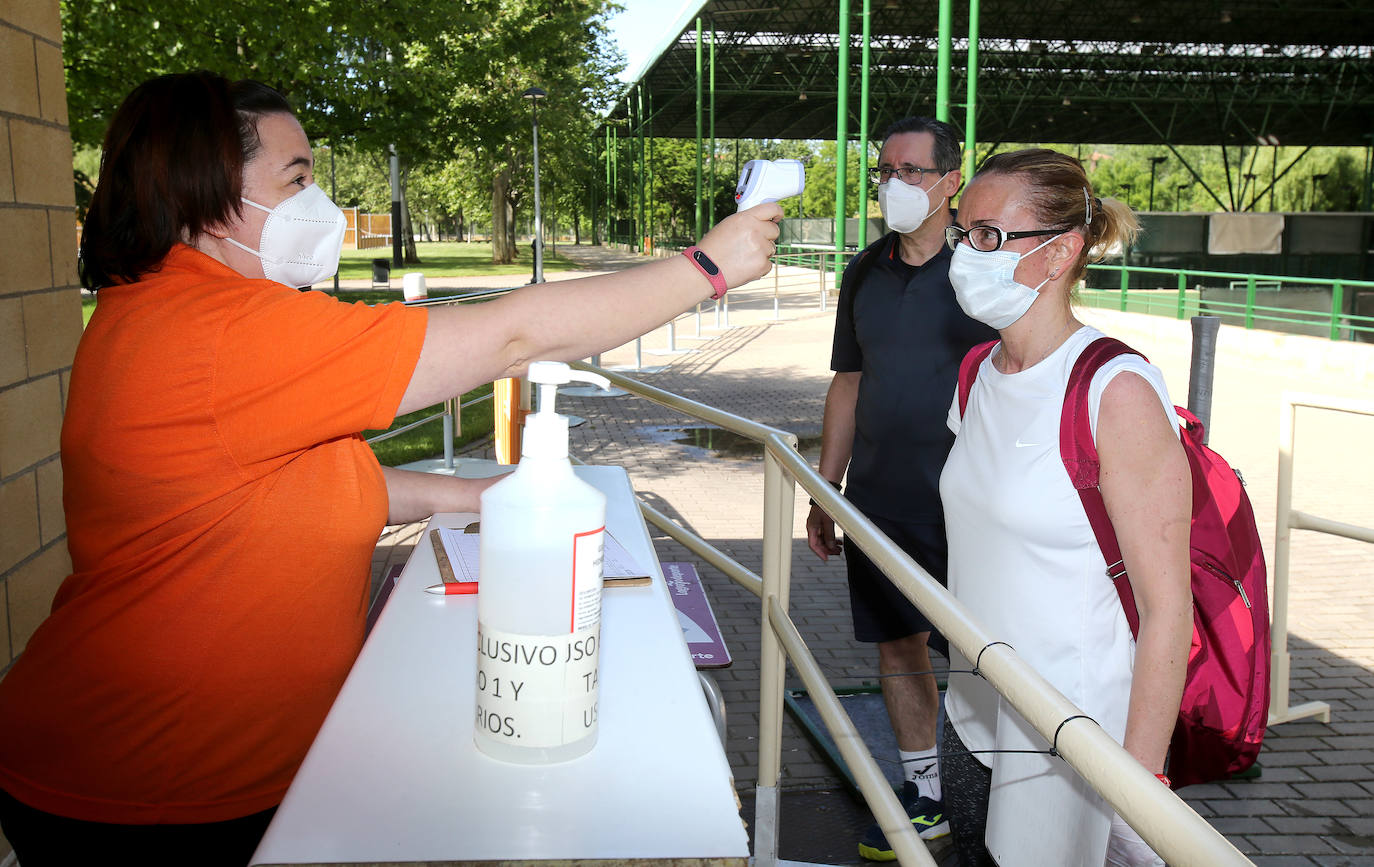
<point x="1290" y="519"/>
<point x="1321" y="306"/>
<point x="1295" y="304"/>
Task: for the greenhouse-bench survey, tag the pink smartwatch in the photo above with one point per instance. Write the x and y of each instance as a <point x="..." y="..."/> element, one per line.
<point x="698" y="257"/>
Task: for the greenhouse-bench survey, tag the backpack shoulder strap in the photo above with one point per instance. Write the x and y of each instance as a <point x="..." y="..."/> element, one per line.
<point x="1076" y="443"/>
<point x="968" y="371"/>
<point x="1079" y="453"/>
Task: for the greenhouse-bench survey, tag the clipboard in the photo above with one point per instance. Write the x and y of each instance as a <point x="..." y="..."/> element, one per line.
<point x="449" y="575"/>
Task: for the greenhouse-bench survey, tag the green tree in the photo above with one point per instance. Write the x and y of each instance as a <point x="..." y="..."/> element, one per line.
<point x="433" y="78"/>
<point x="818" y="200"/>
<point x="357" y="179"/>
<point x="562" y="48"/>
<point x="349" y="68"/>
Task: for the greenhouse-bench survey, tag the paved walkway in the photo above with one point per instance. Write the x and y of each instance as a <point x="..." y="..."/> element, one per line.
<point x="1314" y="803"/>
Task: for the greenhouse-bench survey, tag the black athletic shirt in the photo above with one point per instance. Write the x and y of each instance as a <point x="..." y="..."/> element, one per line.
<point x="905" y="332"/>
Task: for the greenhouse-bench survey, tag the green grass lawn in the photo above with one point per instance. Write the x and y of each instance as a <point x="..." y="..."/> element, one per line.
<point x="447" y="259"/>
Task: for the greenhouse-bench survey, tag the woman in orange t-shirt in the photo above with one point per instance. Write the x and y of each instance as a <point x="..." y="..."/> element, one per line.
<point x="221" y="506"/>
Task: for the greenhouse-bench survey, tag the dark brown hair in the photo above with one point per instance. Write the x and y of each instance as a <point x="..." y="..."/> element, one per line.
<point x="172" y="167"/>
<point x="1060" y="195"/>
<point x="946" y="151"/>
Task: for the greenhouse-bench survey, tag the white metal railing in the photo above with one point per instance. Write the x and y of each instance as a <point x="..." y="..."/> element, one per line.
<point x="1175" y="831"/>
<point x="1290" y="519"/>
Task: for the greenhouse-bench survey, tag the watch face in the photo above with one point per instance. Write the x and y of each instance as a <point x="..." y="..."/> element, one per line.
<point x="705" y="262"/>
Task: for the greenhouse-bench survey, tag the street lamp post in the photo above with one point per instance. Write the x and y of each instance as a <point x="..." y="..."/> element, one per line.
<point x="396" y="240"/>
<point x="1127" y="196"/>
<point x="1154" y="163"/>
<point x="1312" y="200"/>
<point x="534" y="94"/>
<point x="1178" y="195"/>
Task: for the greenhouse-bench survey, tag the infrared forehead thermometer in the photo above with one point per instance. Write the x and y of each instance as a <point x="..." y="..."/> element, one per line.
<point x="768" y="181"/>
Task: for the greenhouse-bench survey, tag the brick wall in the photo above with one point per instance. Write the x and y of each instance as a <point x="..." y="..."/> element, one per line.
<point x="40" y="315"/>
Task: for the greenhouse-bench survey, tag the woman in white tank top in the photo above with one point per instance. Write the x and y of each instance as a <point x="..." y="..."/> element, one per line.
<point x="1022" y="555"/>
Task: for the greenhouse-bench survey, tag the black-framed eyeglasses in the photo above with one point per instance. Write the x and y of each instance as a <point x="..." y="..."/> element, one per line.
<point x="989" y="239"/>
<point x="909" y="174"/>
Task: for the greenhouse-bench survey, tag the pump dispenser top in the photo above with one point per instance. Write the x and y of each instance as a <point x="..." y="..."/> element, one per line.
<point x="546" y="432"/>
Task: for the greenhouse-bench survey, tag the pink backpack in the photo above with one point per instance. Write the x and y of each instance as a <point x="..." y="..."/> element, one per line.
<point x="1225" y="703"/>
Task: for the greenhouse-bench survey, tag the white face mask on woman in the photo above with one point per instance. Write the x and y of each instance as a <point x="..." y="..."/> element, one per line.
<point x="985" y="284"/>
<point x="301" y="239"/>
<point x="905" y="206"/>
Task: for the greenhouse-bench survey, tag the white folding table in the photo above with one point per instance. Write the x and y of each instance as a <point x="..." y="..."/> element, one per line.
<point x="393" y="775"/>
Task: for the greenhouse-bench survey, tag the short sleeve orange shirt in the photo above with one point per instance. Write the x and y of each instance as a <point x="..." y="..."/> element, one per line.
<point x="222" y="512"/>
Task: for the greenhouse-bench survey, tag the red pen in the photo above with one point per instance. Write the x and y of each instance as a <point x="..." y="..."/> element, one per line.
<point x="453" y="588"/>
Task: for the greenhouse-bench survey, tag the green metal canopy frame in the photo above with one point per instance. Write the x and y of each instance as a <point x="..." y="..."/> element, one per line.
<point x="1167" y="72"/>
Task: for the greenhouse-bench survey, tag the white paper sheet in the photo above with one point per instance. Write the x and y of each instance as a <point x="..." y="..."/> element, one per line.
<point x="463" y="552"/>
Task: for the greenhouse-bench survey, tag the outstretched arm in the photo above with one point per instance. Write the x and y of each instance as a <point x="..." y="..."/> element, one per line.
<point x="470" y="344"/>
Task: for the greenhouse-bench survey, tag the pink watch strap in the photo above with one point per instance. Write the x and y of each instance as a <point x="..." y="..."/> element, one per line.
<point x="710" y="269"/>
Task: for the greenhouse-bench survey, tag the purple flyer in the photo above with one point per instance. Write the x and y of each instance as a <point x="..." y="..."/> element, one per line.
<point x="694" y="613"/>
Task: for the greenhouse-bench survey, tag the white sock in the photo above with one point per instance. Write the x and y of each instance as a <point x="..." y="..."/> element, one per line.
<point x="923" y="768"/>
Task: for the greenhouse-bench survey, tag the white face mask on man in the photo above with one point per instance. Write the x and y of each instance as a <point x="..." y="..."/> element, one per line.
<point x="985" y="284"/>
<point x="301" y="240"/>
<point x="905" y="206"/>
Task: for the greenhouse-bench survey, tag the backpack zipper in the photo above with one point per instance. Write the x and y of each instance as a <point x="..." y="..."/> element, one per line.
<point x="1241" y="591"/>
<point x="1216" y="570"/>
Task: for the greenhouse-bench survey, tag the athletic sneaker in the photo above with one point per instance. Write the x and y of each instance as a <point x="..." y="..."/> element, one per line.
<point x="927" y="815"/>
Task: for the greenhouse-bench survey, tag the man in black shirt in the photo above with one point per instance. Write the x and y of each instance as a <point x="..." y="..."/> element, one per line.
<point x="899" y="338"/>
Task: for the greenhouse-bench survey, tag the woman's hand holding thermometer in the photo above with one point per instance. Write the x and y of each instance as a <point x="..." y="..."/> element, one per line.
<point x="740" y="248"/>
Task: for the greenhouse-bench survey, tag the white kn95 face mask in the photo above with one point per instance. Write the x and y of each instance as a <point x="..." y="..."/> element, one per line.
<point x="905" y="206"/>
<point x="301" y="239"/>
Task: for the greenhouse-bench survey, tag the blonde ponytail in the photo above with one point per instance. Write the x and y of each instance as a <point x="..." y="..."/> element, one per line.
<point x="1114" y="227"/>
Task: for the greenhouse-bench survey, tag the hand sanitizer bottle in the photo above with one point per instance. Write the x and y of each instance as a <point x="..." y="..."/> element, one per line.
<point x="539" y="609"/>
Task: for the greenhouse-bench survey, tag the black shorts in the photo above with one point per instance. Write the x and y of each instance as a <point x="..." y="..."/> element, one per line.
<point x="881" y="612"/>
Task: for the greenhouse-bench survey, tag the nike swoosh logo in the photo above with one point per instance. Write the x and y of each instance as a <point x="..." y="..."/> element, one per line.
<point x="1021" y="445"/>
<point x="923" y="771"/>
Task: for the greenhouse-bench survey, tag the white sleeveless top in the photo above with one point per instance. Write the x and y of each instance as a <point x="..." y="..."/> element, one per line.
<point x="1023" y="559"/>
